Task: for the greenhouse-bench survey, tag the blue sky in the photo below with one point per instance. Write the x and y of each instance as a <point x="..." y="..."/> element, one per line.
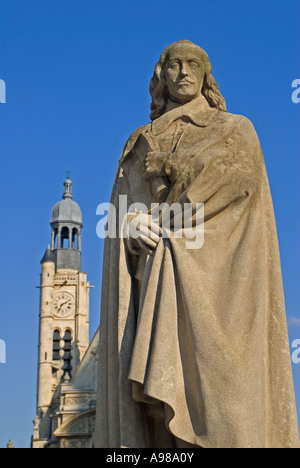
<point x="77" y="75"/>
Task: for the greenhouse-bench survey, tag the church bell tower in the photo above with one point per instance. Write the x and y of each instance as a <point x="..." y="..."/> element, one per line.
<point x="64" y="311"/>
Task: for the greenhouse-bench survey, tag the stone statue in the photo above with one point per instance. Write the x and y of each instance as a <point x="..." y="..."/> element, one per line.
<point x="10" y="444"/>
<point x="194" y="350"/>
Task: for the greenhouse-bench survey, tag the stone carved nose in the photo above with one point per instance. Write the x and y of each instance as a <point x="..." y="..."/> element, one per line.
<point x="184" y="69"/>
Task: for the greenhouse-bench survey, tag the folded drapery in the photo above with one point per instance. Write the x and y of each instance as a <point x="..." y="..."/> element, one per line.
<point x="202" y="331"/>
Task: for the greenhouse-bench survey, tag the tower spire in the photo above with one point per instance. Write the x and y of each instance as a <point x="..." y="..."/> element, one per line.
<point x="66" y="223"/>
<point x="68" y="189"/>
<point x="63" y="317"/>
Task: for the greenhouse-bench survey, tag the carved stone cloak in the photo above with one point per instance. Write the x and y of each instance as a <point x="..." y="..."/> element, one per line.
<point x="207" y="335"/>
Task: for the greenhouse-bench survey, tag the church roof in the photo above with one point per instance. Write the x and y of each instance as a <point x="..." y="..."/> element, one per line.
<point x="86" y="376"/>
<point x="67" y="210"/>
<point x="49" y="256"/>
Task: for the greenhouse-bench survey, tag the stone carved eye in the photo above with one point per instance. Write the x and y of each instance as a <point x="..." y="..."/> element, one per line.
<point x="174" y="65"/>
<point x="193" y="64"/>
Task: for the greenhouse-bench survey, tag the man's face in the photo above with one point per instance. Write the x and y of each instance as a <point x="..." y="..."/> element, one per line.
<point x="184" y="73"/>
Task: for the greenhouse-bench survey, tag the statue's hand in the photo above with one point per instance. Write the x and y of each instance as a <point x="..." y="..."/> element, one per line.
<point x="155" y="164"/>
<point x="143" y="234"/>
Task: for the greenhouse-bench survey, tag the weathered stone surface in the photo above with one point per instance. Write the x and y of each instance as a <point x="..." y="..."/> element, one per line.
<point x="194" y="348"/>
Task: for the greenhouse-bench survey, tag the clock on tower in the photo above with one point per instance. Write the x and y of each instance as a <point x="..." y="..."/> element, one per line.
<point x="64" y="310"/>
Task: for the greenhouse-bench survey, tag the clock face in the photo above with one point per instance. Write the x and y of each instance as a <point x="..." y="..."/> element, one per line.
<point x="64" y="304"/>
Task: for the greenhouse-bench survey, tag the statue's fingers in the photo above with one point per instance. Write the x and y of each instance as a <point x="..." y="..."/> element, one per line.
<point x="145" y="246"/>
<point x="154" y="236"/>
<point x="143" y="230"/>
<point x="148" y="241"/>
<point x="147" y="232"/>
<point x="155" y="228"/>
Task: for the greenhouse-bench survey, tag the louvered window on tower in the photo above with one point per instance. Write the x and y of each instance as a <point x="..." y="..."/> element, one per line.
<point x="56" y="345"/>
<point x="67" y="357"/>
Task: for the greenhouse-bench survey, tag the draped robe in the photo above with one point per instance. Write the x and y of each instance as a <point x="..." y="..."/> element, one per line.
<point x="205" y="333"/>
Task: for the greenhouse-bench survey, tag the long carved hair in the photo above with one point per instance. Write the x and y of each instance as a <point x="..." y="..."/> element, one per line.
<point x="159" y="92"/>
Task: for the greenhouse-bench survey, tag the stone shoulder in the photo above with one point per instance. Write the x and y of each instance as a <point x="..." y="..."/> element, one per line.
<point x="238" y="120"/>
<point x="132" y="139"/>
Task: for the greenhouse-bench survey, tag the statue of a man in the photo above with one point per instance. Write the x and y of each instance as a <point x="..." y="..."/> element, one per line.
<point x="194" y="350"/>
